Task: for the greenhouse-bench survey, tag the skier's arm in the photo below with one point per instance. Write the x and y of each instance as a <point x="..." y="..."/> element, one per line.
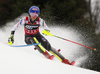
<point x="43" y="24"/>
<point x="46" y="30"/>
<point x="21" y="22"/>
<point x="11" y="38"/>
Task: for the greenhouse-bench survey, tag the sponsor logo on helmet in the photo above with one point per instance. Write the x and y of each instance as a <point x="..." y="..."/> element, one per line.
<point x="34" y="9"/>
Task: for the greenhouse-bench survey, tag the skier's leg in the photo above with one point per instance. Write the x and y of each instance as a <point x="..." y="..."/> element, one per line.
<point x="46" y="45"/>
<point x="30" y="40"/>
<point x="42" y="50"/>
<point x="60" y="57"/>
<point x="52" y="50"/>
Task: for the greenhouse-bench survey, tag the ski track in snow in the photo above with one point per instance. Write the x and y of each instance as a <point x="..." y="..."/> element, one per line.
<point x="72" y="52"/>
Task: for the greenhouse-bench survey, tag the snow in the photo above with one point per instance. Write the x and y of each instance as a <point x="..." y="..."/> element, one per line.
<point x="15" y="61"/>
<point x="26" y="60"/>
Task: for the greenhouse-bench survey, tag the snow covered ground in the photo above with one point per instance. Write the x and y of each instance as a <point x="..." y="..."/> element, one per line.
<point x="25" y="60"/>
<point x="16" y="61"/>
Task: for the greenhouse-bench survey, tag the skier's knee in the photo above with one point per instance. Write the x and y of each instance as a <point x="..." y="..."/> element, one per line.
<point x="48" y="47"/>
<point x="29" y="40"/>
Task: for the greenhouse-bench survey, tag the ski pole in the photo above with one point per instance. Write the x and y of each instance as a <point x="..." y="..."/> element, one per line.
<point x="49" y="34"/>
<point x="75" y="42"/>
<point x="24" y="45"/>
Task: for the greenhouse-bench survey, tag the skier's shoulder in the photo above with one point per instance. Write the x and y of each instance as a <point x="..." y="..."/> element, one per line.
<point x="41" y="19"/>
<point x="22" y="20"/>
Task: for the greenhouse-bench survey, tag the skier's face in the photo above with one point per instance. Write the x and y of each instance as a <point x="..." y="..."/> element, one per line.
<point x="33" y="16"/>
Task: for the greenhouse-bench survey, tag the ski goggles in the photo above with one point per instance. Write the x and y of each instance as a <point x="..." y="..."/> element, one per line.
<point x="34" y="14"/>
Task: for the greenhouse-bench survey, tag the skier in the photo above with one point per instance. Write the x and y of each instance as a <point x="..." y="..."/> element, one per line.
<point x="32" y="35"/>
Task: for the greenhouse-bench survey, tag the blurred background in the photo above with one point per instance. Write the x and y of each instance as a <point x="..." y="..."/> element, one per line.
<point x="83" y="15"/>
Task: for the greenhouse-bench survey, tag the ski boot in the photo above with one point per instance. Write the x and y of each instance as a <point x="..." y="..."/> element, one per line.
<point x="67" y="62"/>
<point x="47" y="55"/>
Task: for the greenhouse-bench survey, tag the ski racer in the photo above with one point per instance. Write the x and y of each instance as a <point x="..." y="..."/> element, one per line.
<point x="32" y="35"/>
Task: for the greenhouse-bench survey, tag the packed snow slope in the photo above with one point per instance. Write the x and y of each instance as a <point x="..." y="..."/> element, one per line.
<point x="15" y="61"/>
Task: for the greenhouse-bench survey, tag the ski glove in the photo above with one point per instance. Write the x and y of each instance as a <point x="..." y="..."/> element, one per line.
<point x="11" y="40"/>
<point x="46" y="32"/>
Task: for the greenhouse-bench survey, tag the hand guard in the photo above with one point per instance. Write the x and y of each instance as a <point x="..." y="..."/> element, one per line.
<point x="11" y="40"/>
<point x="46" y="32"/>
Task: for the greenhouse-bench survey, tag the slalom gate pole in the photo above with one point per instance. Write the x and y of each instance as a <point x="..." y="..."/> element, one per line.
<point x="75" y="42"/>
